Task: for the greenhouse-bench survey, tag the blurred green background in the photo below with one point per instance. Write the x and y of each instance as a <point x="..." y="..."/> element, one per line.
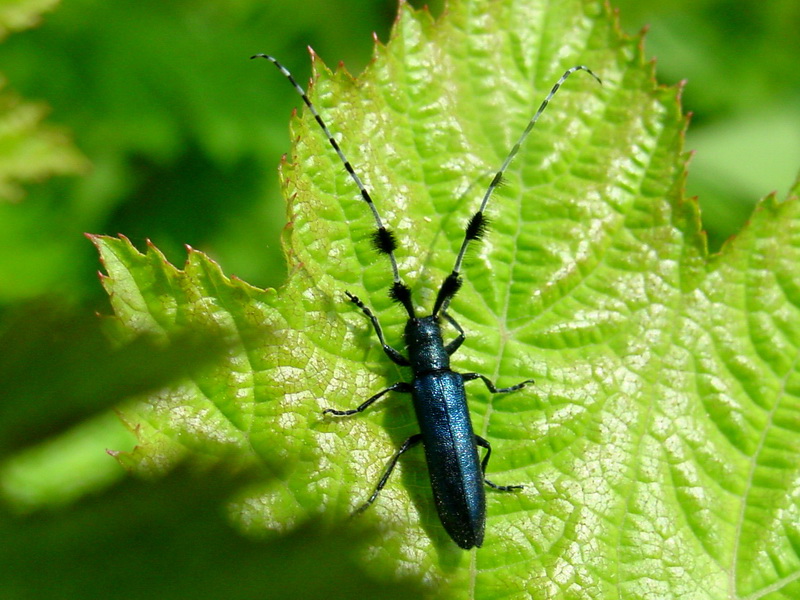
<point x="184" y="135"/>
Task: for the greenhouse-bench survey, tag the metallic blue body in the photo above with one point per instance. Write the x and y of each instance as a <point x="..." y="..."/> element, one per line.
<point x="452" y="455"/>
<point x="440" y="403"/>
<point x="451" y="446"/>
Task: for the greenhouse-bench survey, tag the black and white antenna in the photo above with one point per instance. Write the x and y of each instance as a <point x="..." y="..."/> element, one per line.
<point x="478" y="223"/>
<point x="383" y="238"/>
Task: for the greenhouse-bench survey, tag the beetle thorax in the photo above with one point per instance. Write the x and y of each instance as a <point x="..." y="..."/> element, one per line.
<point x="426" y="350"/>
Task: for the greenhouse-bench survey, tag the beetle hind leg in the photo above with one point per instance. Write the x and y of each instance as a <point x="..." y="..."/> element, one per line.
<point x="503" y="488"/>
<point x="407" y="445"/>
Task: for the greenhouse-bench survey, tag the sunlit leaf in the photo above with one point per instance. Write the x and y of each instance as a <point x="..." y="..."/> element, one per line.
<point x="660" y="443"/>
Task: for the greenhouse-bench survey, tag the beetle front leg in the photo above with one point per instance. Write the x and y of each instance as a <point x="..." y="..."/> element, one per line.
<point x="396" y="357"/>
<point x="456" y="343"/>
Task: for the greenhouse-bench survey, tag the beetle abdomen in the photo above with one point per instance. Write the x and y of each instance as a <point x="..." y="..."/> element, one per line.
<point x="452" y="456"/>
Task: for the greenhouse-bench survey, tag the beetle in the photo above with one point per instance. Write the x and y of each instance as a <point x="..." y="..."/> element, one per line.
<point x="457" y="474"/>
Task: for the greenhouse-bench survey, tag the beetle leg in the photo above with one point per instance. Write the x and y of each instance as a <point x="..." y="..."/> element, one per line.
<point x="407" y="445"/>
<point x="401" y="386"/>
<point x="503" y="488"/>
<point x="490" y="385"/>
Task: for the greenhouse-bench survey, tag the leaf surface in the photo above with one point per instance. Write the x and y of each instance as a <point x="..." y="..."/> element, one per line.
<point x="660" y="443"/>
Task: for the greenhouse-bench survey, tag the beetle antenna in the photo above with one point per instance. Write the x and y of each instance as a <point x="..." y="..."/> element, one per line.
<point x="383" y="239"/>
<point x="478" y="223"/>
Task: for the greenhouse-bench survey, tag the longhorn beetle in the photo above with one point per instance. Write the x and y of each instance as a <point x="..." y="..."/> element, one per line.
<point x="451" y="447"/>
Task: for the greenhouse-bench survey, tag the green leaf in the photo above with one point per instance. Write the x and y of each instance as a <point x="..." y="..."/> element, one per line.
<point x="21" y="14"/>
<point x="59" y="379"/>
<point x="185" y="533"/>
<point x="660" y="444"/>
<point x="29" y="149"/>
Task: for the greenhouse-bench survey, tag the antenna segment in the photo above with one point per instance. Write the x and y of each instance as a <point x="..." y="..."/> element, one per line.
<point x="478" y="223"/>
<point x="383" y="238"/>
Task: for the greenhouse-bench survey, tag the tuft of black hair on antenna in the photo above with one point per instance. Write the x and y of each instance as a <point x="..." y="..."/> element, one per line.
<point x="384" y="241"/>
<point x="477" y="226"/>
<point x="401" y="294"/>
<point x="450" y="287"/>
